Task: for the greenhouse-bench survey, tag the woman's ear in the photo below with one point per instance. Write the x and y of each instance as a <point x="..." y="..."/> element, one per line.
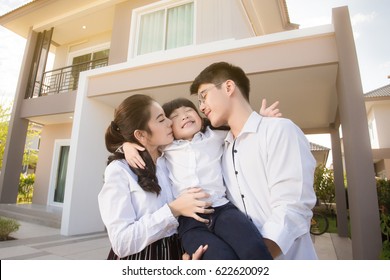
<point x="140" y="136"/>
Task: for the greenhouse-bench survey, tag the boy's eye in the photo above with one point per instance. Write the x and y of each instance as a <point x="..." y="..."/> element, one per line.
<point x="173" y="116"/>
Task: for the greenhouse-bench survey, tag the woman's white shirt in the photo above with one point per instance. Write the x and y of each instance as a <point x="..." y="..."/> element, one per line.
<point x="133" y="217"/>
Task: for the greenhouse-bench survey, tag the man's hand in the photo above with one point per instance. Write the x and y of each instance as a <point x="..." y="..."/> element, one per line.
<point x="273" y="248"/>
<point x="197" y="255"/>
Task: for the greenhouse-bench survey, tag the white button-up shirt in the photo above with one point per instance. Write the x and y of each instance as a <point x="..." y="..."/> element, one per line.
<point x="268" y="170"/>
<point x="133" y="217"/>
<point x="197" y="163"/>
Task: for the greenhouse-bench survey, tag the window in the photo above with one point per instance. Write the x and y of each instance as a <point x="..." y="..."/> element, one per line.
<point x="166" y="28"/>
<point x="58" y="172"/>
<point x="373" y="134"/>
<point x="96" y="59"/>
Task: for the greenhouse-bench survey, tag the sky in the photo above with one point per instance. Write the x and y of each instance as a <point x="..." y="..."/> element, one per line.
<point x="370" y="23"/>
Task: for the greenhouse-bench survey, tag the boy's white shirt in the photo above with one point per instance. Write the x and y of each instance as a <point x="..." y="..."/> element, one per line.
<point x="197" y="163"/>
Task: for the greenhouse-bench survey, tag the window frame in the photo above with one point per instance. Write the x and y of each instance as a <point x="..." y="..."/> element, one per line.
<point x="154" y="7"/>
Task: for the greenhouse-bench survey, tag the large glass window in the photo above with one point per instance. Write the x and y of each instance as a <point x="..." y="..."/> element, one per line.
<point x="80" y="63"/>
<point x="166" y="28"/>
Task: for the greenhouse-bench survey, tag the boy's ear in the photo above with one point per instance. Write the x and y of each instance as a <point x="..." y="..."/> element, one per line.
<point x="140" y="135"/>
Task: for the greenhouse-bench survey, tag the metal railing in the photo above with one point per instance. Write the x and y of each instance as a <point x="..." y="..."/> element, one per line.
<point x="64" y="79"/>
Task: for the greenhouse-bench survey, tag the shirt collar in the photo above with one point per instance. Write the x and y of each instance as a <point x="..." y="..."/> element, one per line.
<point x="250" y="126"/>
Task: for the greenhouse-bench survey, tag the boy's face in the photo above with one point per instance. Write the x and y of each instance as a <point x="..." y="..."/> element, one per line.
<point x="185" y="123"/>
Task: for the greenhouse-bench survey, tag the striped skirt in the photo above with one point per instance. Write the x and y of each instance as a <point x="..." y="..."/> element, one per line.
<point x="168" y="248"/>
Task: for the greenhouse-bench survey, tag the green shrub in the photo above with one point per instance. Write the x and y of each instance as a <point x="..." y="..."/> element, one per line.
<point x="383" y="190"/>
<point x="7" y="226"/>
<point x="26" y="188"/>
<point x="324" y="186"/>
<point x="385" y="228"/>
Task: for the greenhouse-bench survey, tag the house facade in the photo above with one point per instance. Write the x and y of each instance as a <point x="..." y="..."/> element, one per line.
<point x="107" y="50"/>
<point x="378" y="115"/>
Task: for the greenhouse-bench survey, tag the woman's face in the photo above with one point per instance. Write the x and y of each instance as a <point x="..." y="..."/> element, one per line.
<point x="160" y="127"/>
<point x="185" y="123"/>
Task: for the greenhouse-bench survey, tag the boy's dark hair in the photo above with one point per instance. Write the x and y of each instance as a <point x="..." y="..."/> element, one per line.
<point x="174" y="104"/>
<point x="132" y="114"/>
<point x="218" y="73"/>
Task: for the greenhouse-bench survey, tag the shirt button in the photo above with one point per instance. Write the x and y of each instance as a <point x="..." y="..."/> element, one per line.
<point x="235" y="151"/>
<point x="236" y="172"/>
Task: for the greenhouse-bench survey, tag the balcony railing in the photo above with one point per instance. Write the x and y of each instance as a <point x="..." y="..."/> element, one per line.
<point x="64" y="79"/>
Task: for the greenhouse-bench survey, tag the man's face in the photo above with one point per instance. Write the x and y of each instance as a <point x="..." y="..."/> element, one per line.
<point x="213" y="102"/>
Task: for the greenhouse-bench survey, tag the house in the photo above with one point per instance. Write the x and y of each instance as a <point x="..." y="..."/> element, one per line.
<point x="107" y="50"/>
<point x="320" y="153"/>
<point x="378" y="115"/>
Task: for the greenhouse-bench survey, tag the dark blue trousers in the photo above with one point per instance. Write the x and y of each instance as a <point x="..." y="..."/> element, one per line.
<point x="230" y="235"/>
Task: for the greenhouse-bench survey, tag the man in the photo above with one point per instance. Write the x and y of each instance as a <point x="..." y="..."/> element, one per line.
<point x="267" y="164"/>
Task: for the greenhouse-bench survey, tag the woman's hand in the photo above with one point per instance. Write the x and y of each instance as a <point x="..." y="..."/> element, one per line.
<point x="189" y="204"/>
<point x="197" y="255"/>
<point x="271" y="111"/>
<point x="131" y="151"/>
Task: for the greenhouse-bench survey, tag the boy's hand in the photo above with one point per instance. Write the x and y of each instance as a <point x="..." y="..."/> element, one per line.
<point x="132" y="155"/>
<point x="271" y="111"/>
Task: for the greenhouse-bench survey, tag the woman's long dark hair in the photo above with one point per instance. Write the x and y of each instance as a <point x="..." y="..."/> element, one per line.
<point x="131" y="115"/>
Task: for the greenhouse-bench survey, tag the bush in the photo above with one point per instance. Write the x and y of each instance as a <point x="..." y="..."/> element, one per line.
<point x="26" y="188"/>
<point x="385" y="228"/>
<point x="383" y="190"/>
<point x="324" y="186"/>
<point x="7" y="226"/>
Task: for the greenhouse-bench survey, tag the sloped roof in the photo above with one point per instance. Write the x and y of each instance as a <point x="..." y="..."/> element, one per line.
<point x="19" y="7"/>
<point x="316" y="147"/>
<point x="379" y="92"/>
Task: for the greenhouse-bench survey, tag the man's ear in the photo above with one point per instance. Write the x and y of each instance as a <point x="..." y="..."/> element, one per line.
<point x="230" y="86"/>
<point x="140" y="135"/>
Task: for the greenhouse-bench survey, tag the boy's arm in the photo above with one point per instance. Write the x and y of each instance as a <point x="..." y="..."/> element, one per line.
<point x="132" y="156"/>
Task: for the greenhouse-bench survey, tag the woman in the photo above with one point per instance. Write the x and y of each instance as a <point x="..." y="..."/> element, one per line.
<point x="137" y="205"/>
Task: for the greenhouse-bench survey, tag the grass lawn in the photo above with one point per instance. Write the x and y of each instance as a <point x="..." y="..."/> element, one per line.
<point x="333" y="225"/>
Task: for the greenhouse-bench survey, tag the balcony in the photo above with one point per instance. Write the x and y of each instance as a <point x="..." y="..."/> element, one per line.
<point x="63" y="79"/>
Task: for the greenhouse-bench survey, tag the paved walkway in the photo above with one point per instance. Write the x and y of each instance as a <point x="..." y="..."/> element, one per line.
<point x="37" y="242"/>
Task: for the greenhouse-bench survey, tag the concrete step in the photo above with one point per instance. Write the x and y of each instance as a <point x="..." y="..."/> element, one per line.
<point x="36" y="214"/>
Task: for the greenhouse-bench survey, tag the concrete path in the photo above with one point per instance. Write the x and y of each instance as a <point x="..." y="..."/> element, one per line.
<point x="37" y="242"/>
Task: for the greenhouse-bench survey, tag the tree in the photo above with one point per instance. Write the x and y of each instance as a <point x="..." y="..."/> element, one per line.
<point x="324" y="186"/>
<point x="30" y="156"/>
<point x="5" y="113"/>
